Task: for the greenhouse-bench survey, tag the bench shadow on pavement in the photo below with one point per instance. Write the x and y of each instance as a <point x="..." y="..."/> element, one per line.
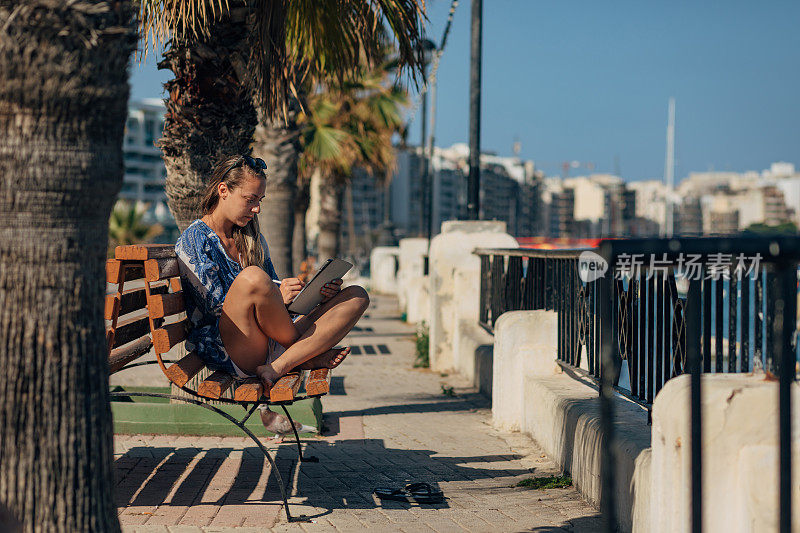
<point x="345" y="476"/>
<point x="162" y="471"/>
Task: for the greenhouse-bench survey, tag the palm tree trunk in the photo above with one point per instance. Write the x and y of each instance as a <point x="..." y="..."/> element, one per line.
<point x="301" y="202"/>
<point x="278" y="143"/>
<point x="330" y="219"/>
<point x="63" y="106"/>
<point x="210" y="112"/>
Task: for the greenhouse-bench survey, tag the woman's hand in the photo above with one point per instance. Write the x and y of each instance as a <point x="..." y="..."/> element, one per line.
<point x="329" y="290"/>
<point x="291" y="287"/>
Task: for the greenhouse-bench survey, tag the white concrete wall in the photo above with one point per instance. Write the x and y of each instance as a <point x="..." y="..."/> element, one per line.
<point x="524" y="344"/>
<point x="740" y="454"/>
<point x="412" y="253"/>
<point x="454" y="287"/>
<point x="383" y="265"/>
<point x="531" y="394"/>
<point x="418" y="306"/>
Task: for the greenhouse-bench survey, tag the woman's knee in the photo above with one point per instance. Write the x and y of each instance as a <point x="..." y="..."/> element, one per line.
<point x="357" y="295"/>
<point x="256" y="281"/>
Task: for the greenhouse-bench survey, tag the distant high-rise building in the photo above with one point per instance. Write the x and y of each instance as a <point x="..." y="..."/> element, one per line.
<point x="629" y="223"/>
<point x="775" y="209"/>
<point x="509" y="191"/>
<point x="362" y="208"/>
<point x="724" y="222"/>
<point x="145" y="172"/>
<point x="562" y="219"/>
<point x="689" y="218"/>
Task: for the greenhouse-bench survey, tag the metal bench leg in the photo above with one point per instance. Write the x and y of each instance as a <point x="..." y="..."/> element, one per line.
<point x="303" y="459"/>
<point x="238" y="424"/>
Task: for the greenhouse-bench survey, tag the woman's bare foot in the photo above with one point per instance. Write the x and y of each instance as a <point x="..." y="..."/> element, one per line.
<point x="268" y="375"/>
<point x="330" y="359"/>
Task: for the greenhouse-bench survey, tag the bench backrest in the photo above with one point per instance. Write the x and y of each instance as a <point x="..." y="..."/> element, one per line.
<point x="146" y="310"/>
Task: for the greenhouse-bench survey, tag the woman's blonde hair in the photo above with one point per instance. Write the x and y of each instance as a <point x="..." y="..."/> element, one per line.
<point x="233" y="171"/>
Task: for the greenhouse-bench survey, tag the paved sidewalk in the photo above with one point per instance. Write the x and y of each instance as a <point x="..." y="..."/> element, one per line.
<point x="386" y="424"/>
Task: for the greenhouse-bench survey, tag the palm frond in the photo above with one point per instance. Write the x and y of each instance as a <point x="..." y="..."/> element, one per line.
<point x="160" y="20"/>
<point x="297" y="40"/>
<point x="125" y="224"/>
<point x="326" y="143"/>
<point x="330" y="39"/>
<point x="269" y="62"/>
<point x="365" y="111"/>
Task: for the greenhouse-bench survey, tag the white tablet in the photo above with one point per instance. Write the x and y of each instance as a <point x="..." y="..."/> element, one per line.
<point x="310" y="296"/>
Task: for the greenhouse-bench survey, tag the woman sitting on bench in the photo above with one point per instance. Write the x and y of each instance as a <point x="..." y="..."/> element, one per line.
<point x="234" y="301"/>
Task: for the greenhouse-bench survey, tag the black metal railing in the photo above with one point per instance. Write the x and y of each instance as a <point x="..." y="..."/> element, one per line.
<point x="517" y="279"/>
<point x="647" y="306"/>
<point x="722" y="305"/>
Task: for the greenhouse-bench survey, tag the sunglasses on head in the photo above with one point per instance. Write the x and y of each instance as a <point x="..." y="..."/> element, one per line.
<point x="256" y="163"/>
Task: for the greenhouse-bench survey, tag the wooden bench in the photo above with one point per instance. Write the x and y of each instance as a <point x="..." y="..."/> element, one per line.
<point x="145" y="310"/>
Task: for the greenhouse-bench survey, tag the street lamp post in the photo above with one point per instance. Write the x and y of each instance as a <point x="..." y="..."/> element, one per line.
<point x="431" y="177"/>
<point x="427" y="49"/>
<point x="474" y="180"/>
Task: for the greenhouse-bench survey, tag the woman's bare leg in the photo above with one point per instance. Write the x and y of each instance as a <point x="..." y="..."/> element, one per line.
<point x="320" y="331"/>
<point x="252" y="314"/>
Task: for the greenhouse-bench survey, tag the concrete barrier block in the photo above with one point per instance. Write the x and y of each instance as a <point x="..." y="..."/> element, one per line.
<point x="383" y="261"/>
<point x="562" y="414"/>
<point x="452" y="262"/>
<point x="739" y="443"/>
<point x="467" y="342"/>
<point x="641" y="493"/>
<point x="524" y="344"/>
<point x="561" y="411"/>
<point x="418" y="306"/>
<point x="412" y="254"/>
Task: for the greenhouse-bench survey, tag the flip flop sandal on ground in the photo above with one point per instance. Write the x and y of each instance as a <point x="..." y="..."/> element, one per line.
<point x="413" y="492"/>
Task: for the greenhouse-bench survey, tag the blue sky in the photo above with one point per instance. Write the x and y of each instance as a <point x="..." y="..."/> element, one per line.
<point x="589" y="80"/>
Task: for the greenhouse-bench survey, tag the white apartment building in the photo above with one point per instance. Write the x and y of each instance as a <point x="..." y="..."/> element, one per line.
<point x="732" y="201"/>
<point x="651" y="201"/>
<point x="145" y="172"/>
<point x="590" y="195"/>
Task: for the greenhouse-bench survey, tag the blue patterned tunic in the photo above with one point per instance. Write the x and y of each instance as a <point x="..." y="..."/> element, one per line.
<point x="207" y="273"/>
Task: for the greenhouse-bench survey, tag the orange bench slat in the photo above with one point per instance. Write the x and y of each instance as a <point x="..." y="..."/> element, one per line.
<point x="318" y="382"/>
<point x="215" y="385"/>
<point x="131" y="329"/>
<point x="286" y="388"/>
<point x="163" y="268"/>
<point x="120" y="357"/>
<point x="142" y="252"/>
<point x="132" y="300"/>
<point x="116" y="268"/>
<point x="175" y="284"/>
<point x="185" y="369"/>
<point x="249" y="390"/>
<point x="161" y="305"/>
<point x="168" y="336"/>
<point x="112" y="307"/>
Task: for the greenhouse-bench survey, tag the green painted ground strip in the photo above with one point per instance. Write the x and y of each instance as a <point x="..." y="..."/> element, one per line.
<point x="157" y="416"/>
